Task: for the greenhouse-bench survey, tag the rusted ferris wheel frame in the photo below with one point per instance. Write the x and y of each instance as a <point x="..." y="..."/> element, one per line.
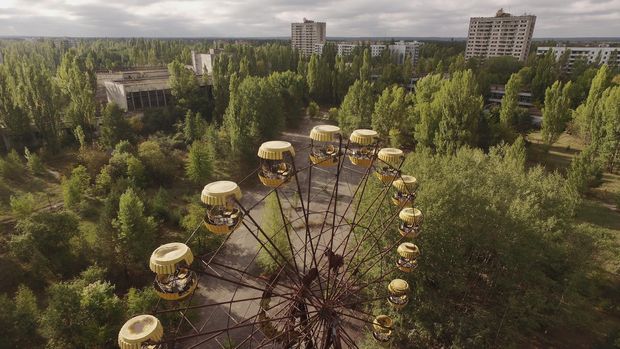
<point x="313" y="317"/>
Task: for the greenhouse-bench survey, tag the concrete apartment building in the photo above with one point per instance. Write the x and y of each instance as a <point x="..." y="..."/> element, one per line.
<point x="599" y="55"/>
<point x="305" y="35"/>
<point x="502" y="35"/>
<point x="400" y="49"/>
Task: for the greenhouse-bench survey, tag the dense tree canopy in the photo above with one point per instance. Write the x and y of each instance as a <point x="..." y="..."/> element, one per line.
<point x="487" y="220"/>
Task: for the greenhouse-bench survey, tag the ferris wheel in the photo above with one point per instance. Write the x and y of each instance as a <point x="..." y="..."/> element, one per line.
<point x="322" y="244"/>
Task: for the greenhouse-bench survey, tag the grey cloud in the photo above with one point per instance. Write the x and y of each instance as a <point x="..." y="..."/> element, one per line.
<point x="236" y="18"/>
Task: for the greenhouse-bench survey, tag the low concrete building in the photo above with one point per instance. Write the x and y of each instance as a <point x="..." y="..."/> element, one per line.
<point x="497" y="92"/>
<point x="140" y="90"/>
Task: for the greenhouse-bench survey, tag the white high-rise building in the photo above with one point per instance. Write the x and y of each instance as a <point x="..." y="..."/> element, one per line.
<point x="305" y="35"/>
<point x="502" y="35"/>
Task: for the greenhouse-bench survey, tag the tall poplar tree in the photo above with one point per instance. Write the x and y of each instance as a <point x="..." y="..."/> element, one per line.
<point x="556" y="112"/>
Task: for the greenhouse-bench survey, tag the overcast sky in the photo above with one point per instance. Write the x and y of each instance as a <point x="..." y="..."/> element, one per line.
<point x="255" y="18"/>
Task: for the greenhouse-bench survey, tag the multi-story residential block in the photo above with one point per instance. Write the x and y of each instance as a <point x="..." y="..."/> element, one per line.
<point x="591" y="55"/>
<point x="305" y="35"/>
<point x="399" y="49"/>
<point x="502" y="35"/>
<point x="403" y="49"/>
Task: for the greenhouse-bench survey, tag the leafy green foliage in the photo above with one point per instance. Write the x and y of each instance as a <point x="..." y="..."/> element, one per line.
<point x="199" y="163"/>
<point x="34" y="163"/>
<point x="254" y="115"/>
<point x="447" y="113"/>
<point x="293" y="91"/>
<point x="357" y="107"/>
<point x="186" y="89"/>
<point x="22" y="206"/>
<point x="556" y="112"/>
<point x="487" y="219"/>
<point x="390" y="111"/>
<point x="12" y="166"/>
<point x="313" y="109"/>
<point x="43" y="244"/>
<point x="76" y="188"/>
<point x="114" y="126"/>
<point x="83" y="313"/>
<point x="136" y="231"/>
<point x="18" y="320"/>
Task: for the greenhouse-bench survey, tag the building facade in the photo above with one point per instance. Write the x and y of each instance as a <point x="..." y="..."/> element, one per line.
<point x="202" y="63"/>
<point x="400" y="50"/>
<point x="590" y="55"/>
<point x="305" y="35"/>
<point x="502" y="35"/>
<point x="140" y="90"/>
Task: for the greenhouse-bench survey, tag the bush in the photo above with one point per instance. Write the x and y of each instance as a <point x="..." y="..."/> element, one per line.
<point x="22" y="206"/>
<point x="12" y="167"/>
<point x="34" y="163"/>
<point x="76" y="187"/>
<point x="94" y="159"/>
<point x="585" y="171"/>
<point x="313" y="109"/>
<point x="160" y="166"/>
<point x="332" y="114"/>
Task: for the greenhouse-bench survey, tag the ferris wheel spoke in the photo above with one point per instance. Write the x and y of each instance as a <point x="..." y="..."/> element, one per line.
<point x="347" y="338"/>
<point x="238" y="283"/>
<point x="256" y="237"/>
<point x="380" y="256"/>
<point x="255" y="329"/>
<point x="217" y="332"/>
<point x="270" y="341"/>
<point x="246" y="273"/>
<point x="365" y="257"/>
<point x="286" y="229"/>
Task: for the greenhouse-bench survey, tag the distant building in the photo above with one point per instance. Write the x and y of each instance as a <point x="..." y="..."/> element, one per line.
<point x="202" y="63"/>
<point x="525" y="100"/>
<point x="399" y="49"/>
<point x="502" y="35"/>
<point x="140" y="90"/>
<point x="497" y="93"/>
<point x="305" y="35"/>
<point x="591" y="55"/>
<point x="403" y="49"/>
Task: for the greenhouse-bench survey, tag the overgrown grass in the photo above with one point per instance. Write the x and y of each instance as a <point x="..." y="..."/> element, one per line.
<point x="600" y="213"/>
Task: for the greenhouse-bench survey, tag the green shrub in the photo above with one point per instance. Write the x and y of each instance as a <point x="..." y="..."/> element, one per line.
<point x="34" y="163"/>
<point x="12" y="166"/>
<point x="22" y="206"/>
<point x="332" y="114"/>
<point x="313" y="109"/>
